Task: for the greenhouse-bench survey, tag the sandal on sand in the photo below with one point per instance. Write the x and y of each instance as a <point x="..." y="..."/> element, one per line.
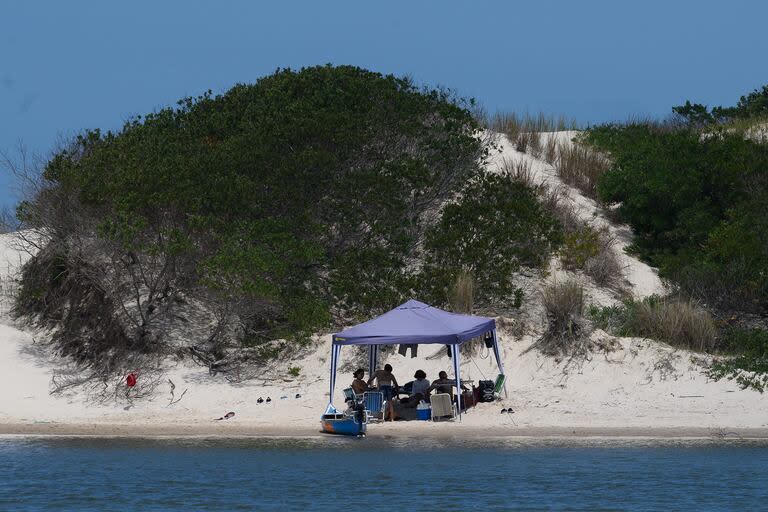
<point x="225" y="417"/>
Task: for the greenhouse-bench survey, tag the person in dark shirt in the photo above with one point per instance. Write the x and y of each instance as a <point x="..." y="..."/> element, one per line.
<point x="444" y="384"/>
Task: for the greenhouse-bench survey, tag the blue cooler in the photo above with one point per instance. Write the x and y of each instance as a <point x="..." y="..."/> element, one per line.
<point x="423" y="414"/>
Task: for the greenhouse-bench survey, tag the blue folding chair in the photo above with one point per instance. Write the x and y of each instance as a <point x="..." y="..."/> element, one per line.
<point x="374" y="404"/>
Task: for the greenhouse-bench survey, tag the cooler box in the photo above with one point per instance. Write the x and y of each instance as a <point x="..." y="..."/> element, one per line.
<point x="423" y="414"/>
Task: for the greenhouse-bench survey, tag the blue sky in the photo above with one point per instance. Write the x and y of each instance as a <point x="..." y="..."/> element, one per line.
<point x="66" y="66"/>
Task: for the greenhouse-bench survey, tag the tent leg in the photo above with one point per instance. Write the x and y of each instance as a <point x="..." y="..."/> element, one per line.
<point x="373" y="356"/>
<point x="457" y="375"/>
<point x="335" y="354"/>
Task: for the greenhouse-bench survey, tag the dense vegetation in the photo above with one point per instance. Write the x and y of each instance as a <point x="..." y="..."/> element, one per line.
<point x="695" y="198"/>
<point x="695" y="190"/>
<point x="277" y="207"/>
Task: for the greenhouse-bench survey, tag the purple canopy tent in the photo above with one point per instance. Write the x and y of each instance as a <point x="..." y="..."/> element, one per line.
<point x="415" y="323"/>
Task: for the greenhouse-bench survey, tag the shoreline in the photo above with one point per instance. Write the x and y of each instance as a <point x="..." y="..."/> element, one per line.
<point x="427" y="432"/>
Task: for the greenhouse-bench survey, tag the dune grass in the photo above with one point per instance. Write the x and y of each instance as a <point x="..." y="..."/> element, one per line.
<point x="678" y="321"/>
<point x="564" y="305"/>
<point x="580" y="167"/>
<point x="524" y="130"/>
<point x="520" y="171"/>
<point x="592" y="251"/>
<point x="576" y="164"/>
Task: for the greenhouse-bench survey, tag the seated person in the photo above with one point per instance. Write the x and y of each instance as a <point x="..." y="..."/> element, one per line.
<point x="420" y="388"/>
<point x="406" y="408"/>
<point x="385" y="381"/>
<point x="359" y="386"/>
<point x="445" y="385"/>
<point x="403" y="410"/>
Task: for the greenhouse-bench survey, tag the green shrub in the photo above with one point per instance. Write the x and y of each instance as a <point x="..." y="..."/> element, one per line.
<point x="749" y="363"/>
<point x="610" y="318"/>
<point x="496" y="226"/>
<point x="580" y="246"/>
<point x="591" y="250"/>
<point x="518" y="298"/>
<point x="294" y="371"/>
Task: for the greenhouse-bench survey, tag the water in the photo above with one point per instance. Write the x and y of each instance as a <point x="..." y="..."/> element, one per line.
<point x="377" y="474"/>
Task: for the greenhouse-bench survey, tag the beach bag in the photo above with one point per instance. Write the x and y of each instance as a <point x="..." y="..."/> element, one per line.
<point x="486" y="390"/>
<point x="130" y="380"/>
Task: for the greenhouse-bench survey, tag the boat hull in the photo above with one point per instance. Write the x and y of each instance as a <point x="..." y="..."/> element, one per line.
<point x="346" y="426"/>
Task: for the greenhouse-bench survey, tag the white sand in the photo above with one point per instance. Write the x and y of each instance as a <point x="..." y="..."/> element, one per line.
<point x="642" y="389"/>
<point x="643" y="280"/>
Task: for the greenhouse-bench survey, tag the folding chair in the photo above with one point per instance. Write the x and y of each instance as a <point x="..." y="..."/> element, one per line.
<point x="442" y="406"/>
<point x="374" y="404"/>
<point x="350" y="396"/>
<point x="499" y="384"/>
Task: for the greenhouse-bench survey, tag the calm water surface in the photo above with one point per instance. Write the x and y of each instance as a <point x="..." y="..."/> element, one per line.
<point x="379" y="474"/>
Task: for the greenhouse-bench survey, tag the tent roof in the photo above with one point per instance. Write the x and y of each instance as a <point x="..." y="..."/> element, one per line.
<point x="416" y="323"/>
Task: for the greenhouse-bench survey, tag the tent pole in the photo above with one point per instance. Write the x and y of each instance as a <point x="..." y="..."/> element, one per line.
<point x="497" y="353"/>
<point x="457" y="375"/>
<point x="335" y="349"/>
<point x="370" y="360"/>
<point x="373" y="357"/>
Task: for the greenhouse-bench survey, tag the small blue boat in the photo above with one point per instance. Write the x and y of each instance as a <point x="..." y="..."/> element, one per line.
<point x="344" y="424"/>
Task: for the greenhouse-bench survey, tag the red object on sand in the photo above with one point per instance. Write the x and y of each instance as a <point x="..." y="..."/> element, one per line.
<point x="131" y="380"/>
